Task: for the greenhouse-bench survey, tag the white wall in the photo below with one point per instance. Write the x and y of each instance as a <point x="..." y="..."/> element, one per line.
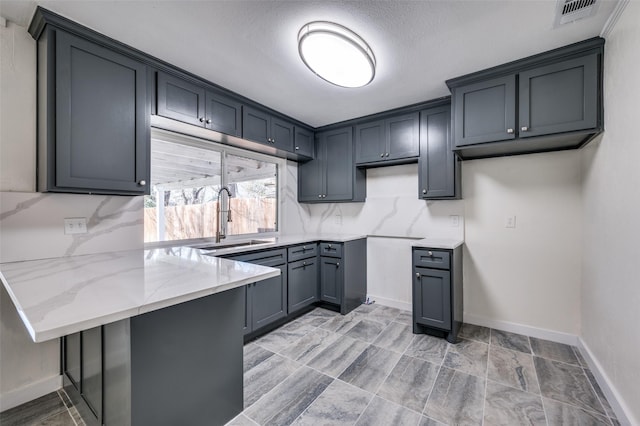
<point x="611" y="208"/>
<point x="392" y="216"/>
<point x="527" y="275"/>
<point x="31" y="224"/>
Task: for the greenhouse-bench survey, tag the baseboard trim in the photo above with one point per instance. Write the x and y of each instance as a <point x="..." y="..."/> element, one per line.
<point x="392" y="303"/>
<point x="29" y="393"/>
<point x="527" y="330"/>
<point x="623" y="413"/>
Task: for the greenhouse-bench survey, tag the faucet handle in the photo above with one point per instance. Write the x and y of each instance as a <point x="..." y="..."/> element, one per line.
<point x="229" y="215"/>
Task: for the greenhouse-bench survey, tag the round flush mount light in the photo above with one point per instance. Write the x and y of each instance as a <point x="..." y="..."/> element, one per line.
<point x="336" y="54"/>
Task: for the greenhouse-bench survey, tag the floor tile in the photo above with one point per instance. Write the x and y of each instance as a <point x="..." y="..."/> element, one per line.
<point x="309" y="345"/>
<point x="365" y="330"/>
<point x="342" y="323"/>
<point x="371" y="368"/>
<point x="335" y="358"/>
<point x="457" y="398"/>
<point x="603" y="399"/>
<point x="384" y="314"/>
<point x="559" y="414"/>
<point x="468" y="356"/>
<point x="290" y="398"/>
<point x="512" y="368"/>
<point x="475" y="332"/>
<point x="33" y="411"/>
<point x="284" y="336"/>
<point x="254" y="355"/>
<point x="428" y="348"/>
<point x="265" y="376"/>
<point x="61" y="419"/>
<point x="317" y="317"/>
<point x="404" y="317"/>
<point x="513" y="341"/>
<point x="505" y="405"/>
<point x="339" y="404"/>
<point x="428" y="421"/>
<point x="581" y="360"/>
<point x="566" y="383"/>
<point x="386" y="413"/>
<point x="396" y="337"/>
<point x="410" y="383"/>
<point x="365" y="309"/>
<point x="241" y="420"/>
<point x="553" y="350"/>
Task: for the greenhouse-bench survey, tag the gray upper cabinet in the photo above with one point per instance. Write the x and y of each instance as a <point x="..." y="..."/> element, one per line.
<point x="260" y="126"/>
<point x="93" y="118"/>
<point x="547" y="102"/>
<point x="303" y="142"/>
<point x="191" y="103"/>
<point x="487" y="111"/>
<point x="438" y="167"/>
<point x="332" y="175"/>
<point x="390" y="140"/>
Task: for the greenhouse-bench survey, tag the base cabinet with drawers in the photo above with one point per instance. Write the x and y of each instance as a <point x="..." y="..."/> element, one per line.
<point x="437" y="291"/>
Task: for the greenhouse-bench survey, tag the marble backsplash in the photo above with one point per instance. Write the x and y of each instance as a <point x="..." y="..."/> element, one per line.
<point x="32" y="224"/>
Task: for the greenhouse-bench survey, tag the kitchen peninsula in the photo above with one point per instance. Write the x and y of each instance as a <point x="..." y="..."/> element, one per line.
<point x="149" y="324"/>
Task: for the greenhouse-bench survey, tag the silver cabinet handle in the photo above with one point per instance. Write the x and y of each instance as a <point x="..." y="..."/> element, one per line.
<point x="273" y="141"/>
<point x="386" y="155"/>
<point x="208" y="121"/>
<point x="304" y="248"/>
<point x="201" y="119"/>
<point x="418" y="274"/>
<point x="382" y="155"/>
<point x="328" y="245"/>
<point x="142" y="183"/>
<point x="337" y="264"/>
<point x="297" y="148"/>
<point x="509" y="130"/>
<point x="430" y="253"/>
<point x="524" y="129"/>
<point x="424" y="191"/>
<point x="304" y="263"/>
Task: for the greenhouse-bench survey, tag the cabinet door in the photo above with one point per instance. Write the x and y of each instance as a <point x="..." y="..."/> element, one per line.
<point x="72" y="358"/>
<point x="303" y="142"/>
<point x="311" y="174"/>
<point x="331" y="280"/>
<point x="223" y="114"/>
<point x="180" y="99"/>
<point x="269" y="299"/>
<point x="339" y="166"/>
<point x="92" y="369"/>
<point x="282" y="134"/>
<point x="432" y="298"/>
<point x="256" y="125"/>
<point x="403" y="136"/>
<point x="437" y="162"/>
<point x="102" y="119"/>
<point x="485" y="112"/>
<point x="370" y="142"/>
<point x="559" y="98"/>
<point x="303" y="283"/>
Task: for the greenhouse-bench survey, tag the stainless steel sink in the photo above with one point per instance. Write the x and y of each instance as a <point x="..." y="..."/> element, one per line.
<point x="221" y="246"/>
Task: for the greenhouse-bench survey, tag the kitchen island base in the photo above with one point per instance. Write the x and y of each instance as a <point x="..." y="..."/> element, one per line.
<point x="177" y="365"/>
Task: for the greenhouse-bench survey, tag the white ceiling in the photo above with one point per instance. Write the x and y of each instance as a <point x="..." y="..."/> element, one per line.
<point x="250" y="46"/>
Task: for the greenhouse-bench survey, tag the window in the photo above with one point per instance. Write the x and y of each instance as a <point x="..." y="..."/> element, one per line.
<point x="187" y="176"/>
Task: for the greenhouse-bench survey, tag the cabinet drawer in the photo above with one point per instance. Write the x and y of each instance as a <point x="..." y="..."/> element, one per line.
<point x="303" y="251"/>
<point x="331" y="249"/>
<point x="265" y="258"/>
<point x="439" y="259"/>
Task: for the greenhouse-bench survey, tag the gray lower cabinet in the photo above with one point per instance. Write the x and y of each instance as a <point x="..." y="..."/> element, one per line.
<point x="546" y="102"/>
<point x="260" y="126"/>
<point x="303" y="283"/>
<point x="265" y="301"/>
<point x="93" y="118"/>
<point x="437" y="291"/>
<point x="438" y="168"/>
<point x="343" y="274"/>
<point x="391" y="140"/>
<point x="130" y="371"/>
<point x="332" y="176"/>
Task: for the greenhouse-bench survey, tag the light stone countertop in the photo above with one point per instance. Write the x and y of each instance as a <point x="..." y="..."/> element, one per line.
<point x="438" y="243"/>
<point x="60" y="296"/>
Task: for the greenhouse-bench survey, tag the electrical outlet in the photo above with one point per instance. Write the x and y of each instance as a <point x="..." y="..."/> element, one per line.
<point x="338" y="219"/>
<point x="455" y="220"/>
<point x="75" y="225"/>
<point x="510" y="222"/>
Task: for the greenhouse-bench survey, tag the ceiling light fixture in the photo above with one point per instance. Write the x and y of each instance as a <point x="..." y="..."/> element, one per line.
<point x="336" y="54"/>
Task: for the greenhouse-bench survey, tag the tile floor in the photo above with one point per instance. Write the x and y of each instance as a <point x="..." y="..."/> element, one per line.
<point x="368" y="368"/>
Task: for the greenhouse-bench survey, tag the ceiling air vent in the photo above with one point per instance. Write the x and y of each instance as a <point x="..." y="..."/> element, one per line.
<point x="572" y="10"/>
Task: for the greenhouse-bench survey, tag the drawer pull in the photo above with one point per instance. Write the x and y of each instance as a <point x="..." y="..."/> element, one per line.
<point x="418" y="274"/>
<point x="430" y="253"/>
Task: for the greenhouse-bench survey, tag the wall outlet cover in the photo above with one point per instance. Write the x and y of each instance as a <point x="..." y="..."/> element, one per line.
<point x="455" y="220"/>
<point x="75" y="225"/>
<point x="510" y="222"/>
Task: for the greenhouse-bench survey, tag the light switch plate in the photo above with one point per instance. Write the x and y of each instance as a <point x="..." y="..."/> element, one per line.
<point x="510" y="222"/>
<point x="455" y="220"/>
<point x="75" y="225"/>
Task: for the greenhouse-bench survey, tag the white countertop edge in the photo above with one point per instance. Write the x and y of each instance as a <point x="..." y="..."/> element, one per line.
<point x="438" y="243"/>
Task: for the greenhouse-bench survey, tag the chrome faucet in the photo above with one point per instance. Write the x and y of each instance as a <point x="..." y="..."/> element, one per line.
<point x="220" y="234"/>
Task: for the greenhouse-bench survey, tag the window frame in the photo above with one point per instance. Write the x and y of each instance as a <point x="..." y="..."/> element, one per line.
<point x="193" y="141"/>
